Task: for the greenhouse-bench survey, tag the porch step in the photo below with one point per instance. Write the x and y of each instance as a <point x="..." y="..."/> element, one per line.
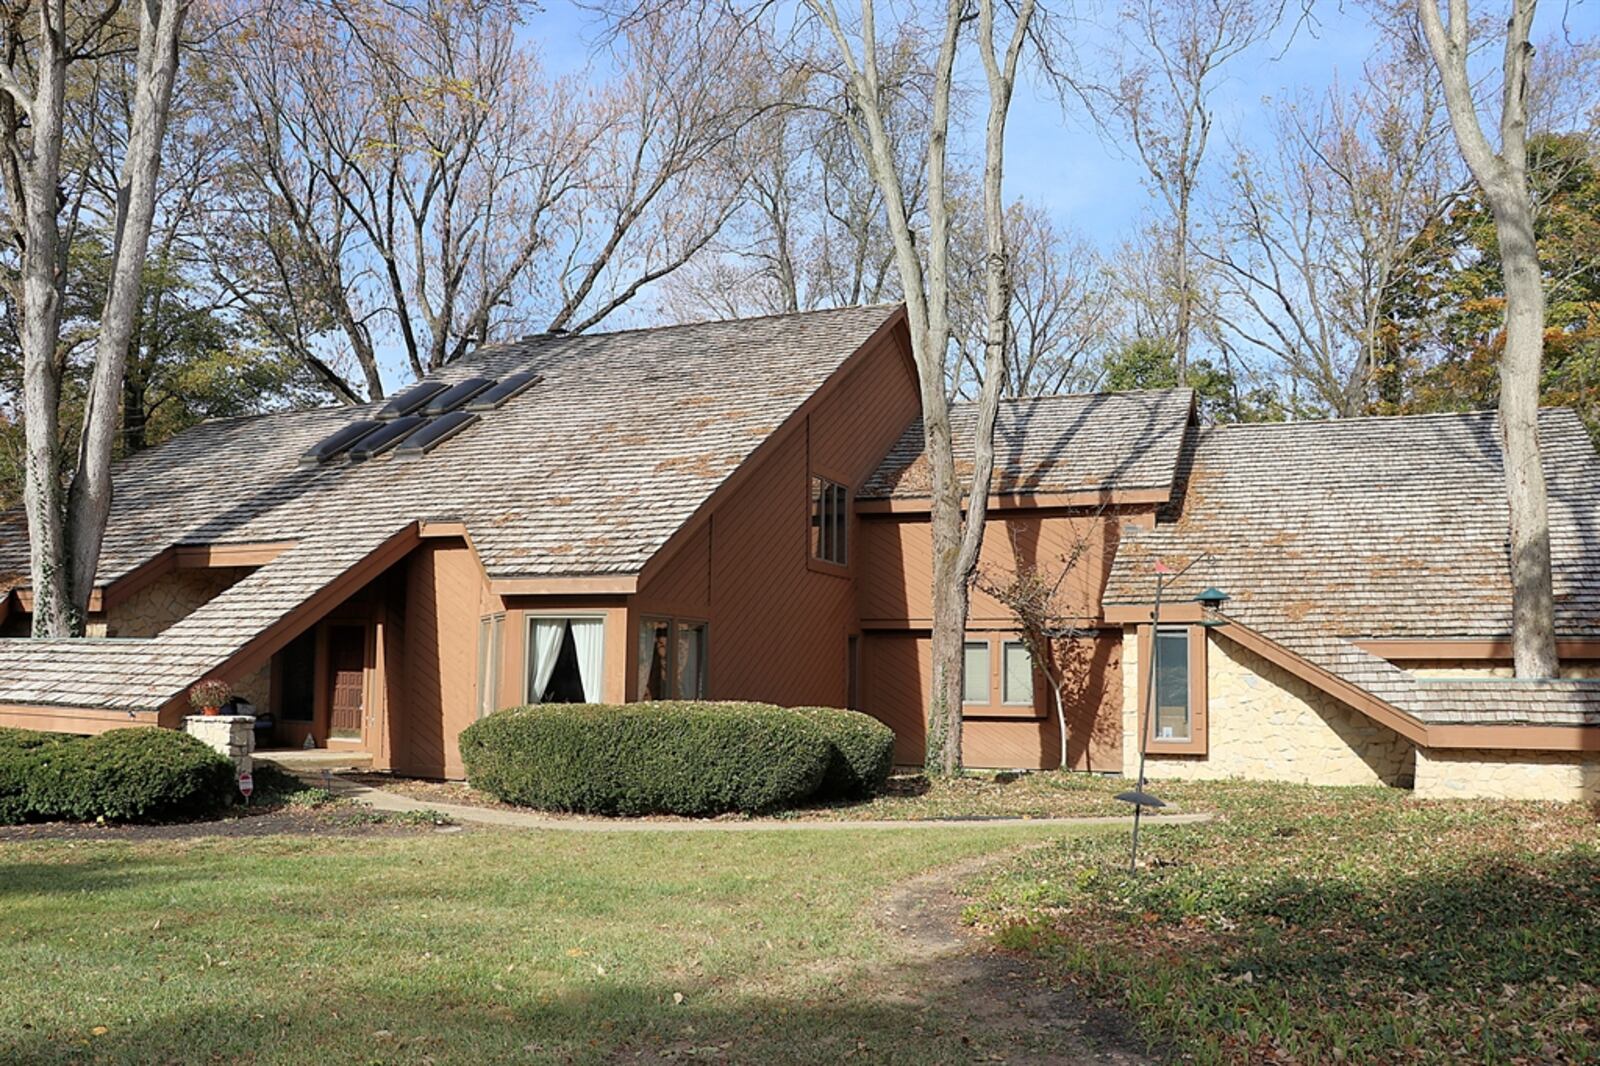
<point x="315" y="760"/>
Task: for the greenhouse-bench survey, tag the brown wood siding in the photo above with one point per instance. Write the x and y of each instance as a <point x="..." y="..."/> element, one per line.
<point x="896" y="680"/>
<point x="897" y="575"/>
<point x="444" y="596"/>
<point x="779" y="626"/>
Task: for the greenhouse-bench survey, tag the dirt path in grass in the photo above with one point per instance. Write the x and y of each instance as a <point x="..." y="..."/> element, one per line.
<point x="1004" y="1005"/>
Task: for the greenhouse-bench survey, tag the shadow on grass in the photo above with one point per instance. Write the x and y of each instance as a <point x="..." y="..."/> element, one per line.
<point x="1492" y="956"/>
<point x="459" y="1021"/>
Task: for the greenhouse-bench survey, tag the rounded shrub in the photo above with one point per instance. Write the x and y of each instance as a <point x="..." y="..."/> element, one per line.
<point x="17" y="748"/>
<point x="862" y="756"/>
<point x="125" y="775"/>
<point x="647" y="758"/>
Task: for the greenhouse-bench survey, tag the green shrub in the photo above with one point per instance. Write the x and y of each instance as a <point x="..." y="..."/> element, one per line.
<point x="18" y="750"/>
<point x="647" y="758"/>
<point x="119" y="775"/>
<point x="863" y="753"/>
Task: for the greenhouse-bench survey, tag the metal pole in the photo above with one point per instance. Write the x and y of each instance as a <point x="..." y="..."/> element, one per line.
<point x="1144" y="722"/>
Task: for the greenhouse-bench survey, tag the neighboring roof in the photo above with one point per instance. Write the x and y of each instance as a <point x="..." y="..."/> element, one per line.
<point x="1055" y="444"/>
<point x="588" y="472"/>
<point x="1380" y="528"/>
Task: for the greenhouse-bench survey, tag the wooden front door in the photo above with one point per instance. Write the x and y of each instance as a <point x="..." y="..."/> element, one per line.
<point x="347" y="662"/>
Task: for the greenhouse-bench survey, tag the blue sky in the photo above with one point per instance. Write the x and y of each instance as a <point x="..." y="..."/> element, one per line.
<point x="1055" y="157"/>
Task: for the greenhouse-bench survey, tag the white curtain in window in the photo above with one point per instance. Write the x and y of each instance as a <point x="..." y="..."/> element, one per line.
<point x="587" y="636"/>
<point x="545" y="646"/>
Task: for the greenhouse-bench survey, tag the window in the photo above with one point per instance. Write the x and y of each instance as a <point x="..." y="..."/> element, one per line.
<point x="490" y="637"/>
<point x="672" y="659"/>
<point x="1016" y="673"/>
<point x="297" y="701"/>
<point x="691" y="661"/>
<point x="830" y="515"/>
<point x="1172" y="719"/>
<point x="975" y="672"/>
<point x="566" y="660"/>
<point x="655" y="638"/>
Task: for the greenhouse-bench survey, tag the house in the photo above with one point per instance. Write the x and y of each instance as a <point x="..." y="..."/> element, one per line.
<point x="740" y="510"/>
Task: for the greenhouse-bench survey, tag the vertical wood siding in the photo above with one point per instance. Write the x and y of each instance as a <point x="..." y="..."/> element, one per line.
<point x="780" y="625"/>
<point x="897" y="578"/>
<point x="444" y="594"/>
<point x="896" y="680"/>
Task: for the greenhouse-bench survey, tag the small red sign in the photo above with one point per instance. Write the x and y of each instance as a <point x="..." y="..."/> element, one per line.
<point x="247" y="784"/>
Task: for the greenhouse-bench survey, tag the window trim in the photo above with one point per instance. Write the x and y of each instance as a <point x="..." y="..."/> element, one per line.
<point x="491" y="661"/>
<point x="673" y="623"/>
<point x="1033" y="674"/>
<point x="987" y="644"/>
<point x="1199" y="717"/>
<point x="528" y="620"/>
<point x="839" y="520"/>
<point x="1032" y="709"/>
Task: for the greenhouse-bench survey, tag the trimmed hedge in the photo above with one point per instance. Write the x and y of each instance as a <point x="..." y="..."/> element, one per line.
<point x="862" y="757"/>
<point x="131" y="774"/>
<point x="647" y="758"/>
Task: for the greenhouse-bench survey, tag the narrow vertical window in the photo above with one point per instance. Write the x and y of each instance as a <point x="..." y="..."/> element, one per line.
<point x="975" y="672"/>
<point x="1172" y="718"/>
<point x="490" y="631"/>
<point x="1016" y="673"/>
<point x="830" y="518"/>
<point x="691" y="656"/>
<point x="655" y="634"/>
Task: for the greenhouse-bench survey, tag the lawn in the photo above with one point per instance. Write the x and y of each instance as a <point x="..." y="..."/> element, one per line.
<point x="1328" y="925"/>
<point x="413" y="945"/>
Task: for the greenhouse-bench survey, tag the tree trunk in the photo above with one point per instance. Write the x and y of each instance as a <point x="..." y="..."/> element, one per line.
<point x="43" y="263"/>
<point x="1533" y="637"/>
<point x="89" y="500"/>
<point x="1503" y="178"/>
<point x="950" y="594"/>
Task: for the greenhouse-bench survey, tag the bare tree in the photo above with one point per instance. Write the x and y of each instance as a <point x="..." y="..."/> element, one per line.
<point x="1313" y="235"/>
<point x="811" y="229"/>
<point x="1161" y="97"/>
<point x="923" y="263"/>
<point x="67" y="517"/>
<point x="408" y="177"/>
<point x="1502" y="176"/>
<point x="1063" y="307"/>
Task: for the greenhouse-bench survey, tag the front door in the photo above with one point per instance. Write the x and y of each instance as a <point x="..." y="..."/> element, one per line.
<point x="347" y="661"/>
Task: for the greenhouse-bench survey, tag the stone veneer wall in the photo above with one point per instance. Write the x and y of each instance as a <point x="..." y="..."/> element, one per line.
<point x="1520" y="775"/>
<point x="172" y="598"/>
<point x="1268" y="725"/>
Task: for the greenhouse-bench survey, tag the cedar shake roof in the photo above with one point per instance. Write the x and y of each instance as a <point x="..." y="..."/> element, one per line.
<point x="588" y="472"/>
<point x="1051" y="444"/>
<point x="1324" y="532"/>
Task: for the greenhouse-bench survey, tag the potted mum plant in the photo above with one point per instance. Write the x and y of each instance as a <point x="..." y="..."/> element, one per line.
<point x="209" y="695"/>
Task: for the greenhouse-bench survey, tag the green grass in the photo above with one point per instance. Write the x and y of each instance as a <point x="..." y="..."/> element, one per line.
<point x="1325" y="925"/>
<point x="479" y="946"/>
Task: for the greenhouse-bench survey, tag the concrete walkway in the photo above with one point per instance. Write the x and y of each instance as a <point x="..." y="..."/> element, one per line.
<point x="380" y="800"/>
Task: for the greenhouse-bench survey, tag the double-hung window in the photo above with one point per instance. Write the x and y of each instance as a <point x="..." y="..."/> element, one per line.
<point x="672" y="659"/>
<point x="830" y="521"/>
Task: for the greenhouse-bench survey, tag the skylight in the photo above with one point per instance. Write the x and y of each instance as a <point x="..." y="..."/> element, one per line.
<point x="419" y="419"/>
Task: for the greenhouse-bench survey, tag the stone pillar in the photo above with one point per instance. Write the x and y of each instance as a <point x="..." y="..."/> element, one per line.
<point x="230" y="735"/>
